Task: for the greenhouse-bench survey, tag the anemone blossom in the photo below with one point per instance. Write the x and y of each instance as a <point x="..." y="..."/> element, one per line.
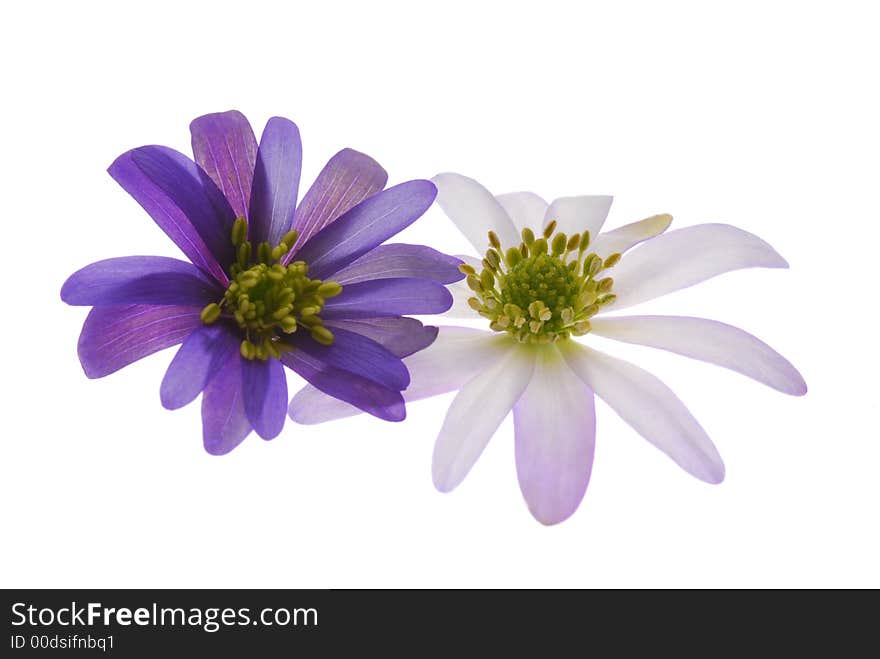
<point x="269" y="283"/>
<point x="545" y="279"/>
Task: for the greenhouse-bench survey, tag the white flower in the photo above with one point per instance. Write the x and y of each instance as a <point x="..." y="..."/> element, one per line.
<point x="537" y="294"/>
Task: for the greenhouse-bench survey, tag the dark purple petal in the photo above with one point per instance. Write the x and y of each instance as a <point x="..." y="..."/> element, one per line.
<point x="183" y="201"/>
<point x="200" y="358"/>
<point x="114" y="337"/>
<point x="264" y="387"/>
<point x="388" y="297"/>
<point x="225" y="147"/>
<point x="224" y="422"/>
<point x="401" y="336"/>
<point x="276" y="182"/>
<point x="357" y="354"/>
<point x="140" y="280"/>
<point x="401" y="260"/>
<point x="365" y="394"/>
<point x="348" y="179"/>
<point x="366" y="226"/>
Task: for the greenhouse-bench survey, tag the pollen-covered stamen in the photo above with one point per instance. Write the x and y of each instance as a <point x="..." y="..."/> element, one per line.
<point x="269" y="300"/>
<point x="543" y="290"/>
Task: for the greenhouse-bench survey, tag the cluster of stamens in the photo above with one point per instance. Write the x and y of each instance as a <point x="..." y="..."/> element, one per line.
<point x="544" y="290"/>
<point x="268" y="299"/>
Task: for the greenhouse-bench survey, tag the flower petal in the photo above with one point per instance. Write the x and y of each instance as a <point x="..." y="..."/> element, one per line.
<point x="623" y="238"/>
<point x="401" y="336"/>
<point x="276" y="182"/>
<point x="388" y="297"/>
<point x="461" y="292"/>
<point x="114" y="337"/>
<point x="578" y="214"/>
<point x="139" y="280"/>
<point x="224" y="421"/>
<point x="224" y="146"/>
<point x="399" y="260"/>
<point x="365" y="227"/>
<point x="650" y="407"/>
<point x="474" y="211"/>
<point x="364" y="394"/>
<point x="685" y="257"/>
<point x="348" y="179"/>
<point x="200" y="358"/>
<point x="555" y="424"/>
<point x="183" y="201"/>
<point x="357" y="354"/>
<point x="475" y="414"/>
<point x="264" y="394"/>
<point x="708" y="341"/>
<point x="456" y="356"/>
<point x="525" y="209"/>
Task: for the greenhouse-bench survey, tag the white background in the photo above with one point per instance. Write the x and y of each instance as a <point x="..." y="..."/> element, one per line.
<point x="764" y="115"/>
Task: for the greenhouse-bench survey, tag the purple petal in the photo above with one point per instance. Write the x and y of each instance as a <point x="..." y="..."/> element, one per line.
<point x="114" y="337"/>
<point x="366" y="226"/>
<point x="224" y="422"/>
<point x="225" y="147"/>
<point x="348" y="179"/>
<point x="200" y="358"/>
<point x="276" y="182"/>
<point x="183" y="201"/>
<point x="555" y="429"/>
<point x="399" y="260"/>
<point x="357" y="354"/>
<point x="365" y="394"/>
<point x="401" y="336"/>
<point x="264" y="387"/>
<point x="388" y="297"/>
<point x="140" y="280"/>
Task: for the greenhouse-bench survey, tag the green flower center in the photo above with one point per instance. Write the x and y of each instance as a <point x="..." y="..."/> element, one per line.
<point x="545" y="289"/>
<point x="270" y="300"/>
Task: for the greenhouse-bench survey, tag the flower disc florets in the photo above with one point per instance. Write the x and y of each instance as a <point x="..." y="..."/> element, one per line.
<point x="544" y="290"/>
<point x="268" y="299"/>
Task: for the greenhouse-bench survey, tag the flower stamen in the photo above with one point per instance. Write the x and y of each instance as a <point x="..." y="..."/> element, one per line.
<point x="268" y="299"/>
<point x="543" y="290"/>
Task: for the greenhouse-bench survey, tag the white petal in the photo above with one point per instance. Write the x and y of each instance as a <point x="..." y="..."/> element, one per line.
<point x="629" y="235"/>
<point x="455" y="357"/>
<point x="475" y="414"/>
<point x="650" y="407"/>
<point x="461" y="292"/>
<point x="555" y="425"/>
<point x="312" y="405"/>
<point x="457" y="354"/>
<point x="474" y="210"/>
<point x="579" y="214"/>
<point x="526" y="209"/>
<point x="460" y="308"/>
<point x="685" y="257"/>
<point x="709" y="341"/>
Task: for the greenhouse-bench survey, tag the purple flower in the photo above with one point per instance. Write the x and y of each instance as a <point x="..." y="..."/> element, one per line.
<point x="270" y="283"/>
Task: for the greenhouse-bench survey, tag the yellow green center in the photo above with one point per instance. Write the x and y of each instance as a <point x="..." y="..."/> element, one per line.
<point x="544" y="290"/>
<point x="269" y="300"/>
